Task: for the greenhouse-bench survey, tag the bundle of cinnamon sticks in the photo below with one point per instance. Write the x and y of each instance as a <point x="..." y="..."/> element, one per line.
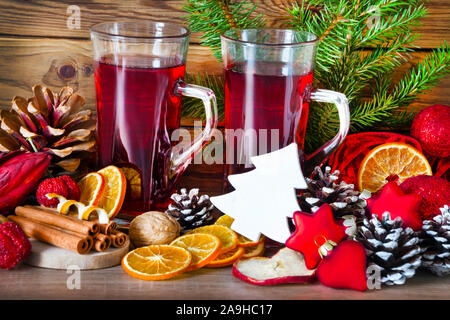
<point x="67" y="232"/>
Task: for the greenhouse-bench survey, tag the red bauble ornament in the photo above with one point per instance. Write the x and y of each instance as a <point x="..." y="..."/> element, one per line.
<point x="399" y="204"/>
<point x="435" y="193"/>
<point x="344" y="267"/>
<point x="431" y="127"/>
<point x="312" y="231"/>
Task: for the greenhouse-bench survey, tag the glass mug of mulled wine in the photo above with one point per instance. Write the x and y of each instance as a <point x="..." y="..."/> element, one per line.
<point x="139" y="72"/>
<point x="268" y="86"/>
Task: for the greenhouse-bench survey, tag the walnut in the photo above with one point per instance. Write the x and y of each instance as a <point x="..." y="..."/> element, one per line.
<point x="153" y="227"/>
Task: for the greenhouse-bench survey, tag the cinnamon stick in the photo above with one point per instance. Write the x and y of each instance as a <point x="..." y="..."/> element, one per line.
<point x="102" y="242"/>
<point x="79" y="243"/>
<point x="118" y="239"/>
<point x="53" y="218"/>
<point x="108" y="228"/>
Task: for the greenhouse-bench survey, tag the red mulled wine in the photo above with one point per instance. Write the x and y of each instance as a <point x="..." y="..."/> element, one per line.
<point x="137" y="110"/>
<point x="270" y="104"/>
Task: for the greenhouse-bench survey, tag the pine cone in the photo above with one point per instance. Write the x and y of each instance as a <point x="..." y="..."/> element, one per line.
<point x="50" y="122"/>
<point x="190" y="210"/>
<point x="393" y="249"/>
<point x="342" y="197"/>
<point x="435" y="243"/>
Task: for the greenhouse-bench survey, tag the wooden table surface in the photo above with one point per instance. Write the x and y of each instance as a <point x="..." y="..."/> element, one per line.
<point x="26" y="282"/>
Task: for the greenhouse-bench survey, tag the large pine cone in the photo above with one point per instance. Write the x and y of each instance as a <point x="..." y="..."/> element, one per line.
<point x="342" y="197"/>
<point x="50" y="122"/>
<point x="435" y="243"/>
<point x="394" y="250"/>
<point x="190" y="210"/>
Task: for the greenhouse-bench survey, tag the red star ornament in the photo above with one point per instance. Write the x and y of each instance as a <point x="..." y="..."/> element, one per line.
<point x="312" y="231"/>
<point x="398" y="204"/>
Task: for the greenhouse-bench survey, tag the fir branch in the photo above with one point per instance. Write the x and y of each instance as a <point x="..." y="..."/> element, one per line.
<point x="347" y="28"/>
<point x="214" y="17"/>
<point x="425" y="76"/>
<point x="387" y="28"/>
<point x="420" y="79"/>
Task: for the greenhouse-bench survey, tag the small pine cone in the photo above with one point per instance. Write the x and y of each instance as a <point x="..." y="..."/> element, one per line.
<point x="392" y="249"/>
<point x="342" y="197"/>
<point x="190" y="210"/>
<point x="435" y="243"/>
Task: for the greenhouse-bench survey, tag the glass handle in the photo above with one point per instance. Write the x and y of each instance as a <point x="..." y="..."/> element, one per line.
<point x="341" y="102"/>
<point x="181" y="160"/>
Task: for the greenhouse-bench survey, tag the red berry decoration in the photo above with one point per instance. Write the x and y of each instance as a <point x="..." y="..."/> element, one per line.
<point x="74" y="189"/>
<point x="344" y="267"/>
<point x="14" y="245"/>
<point x="431" y="127"/>
<point x="312" y="231"/>
<point x="399" y="204"/>
<point x="434" y="191"/>
<point x="53" y="185"/>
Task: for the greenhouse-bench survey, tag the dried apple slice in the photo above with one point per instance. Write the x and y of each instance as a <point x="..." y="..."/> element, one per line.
<point x="286" y="266"/>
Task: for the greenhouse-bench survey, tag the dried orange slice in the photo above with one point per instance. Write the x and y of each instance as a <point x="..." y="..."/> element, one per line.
<point x="246" y="242"/>
<point x="254" y="251"/>
<point x="390" y="160"/>
<point x="227" y="258"/>
<point x="203" y="247"/>
<point x="115" y="188"/>
<point x="227" y="221"/>
<point x="91" y="187"/>
<point x="227" y="237"/>
<point x="134" y="181"/>
<point x="156" y="262"/>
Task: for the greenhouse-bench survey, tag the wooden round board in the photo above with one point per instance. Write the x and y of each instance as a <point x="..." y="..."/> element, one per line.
<point x="47" y="256"/>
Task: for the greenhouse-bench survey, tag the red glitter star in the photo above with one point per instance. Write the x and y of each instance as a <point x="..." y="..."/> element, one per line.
<point x="399" y="204"/>
<point x="312" y="231"/>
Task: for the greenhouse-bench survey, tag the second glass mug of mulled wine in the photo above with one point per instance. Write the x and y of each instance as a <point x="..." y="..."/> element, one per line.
<point x="268" y="86"/>
<point x="139" y="72"/>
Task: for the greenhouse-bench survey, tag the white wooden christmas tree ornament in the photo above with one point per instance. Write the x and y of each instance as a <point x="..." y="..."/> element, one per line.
<point x="265" y="197"/>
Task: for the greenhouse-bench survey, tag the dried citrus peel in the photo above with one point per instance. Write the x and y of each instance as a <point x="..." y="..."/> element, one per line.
<point x="84" y="212"/>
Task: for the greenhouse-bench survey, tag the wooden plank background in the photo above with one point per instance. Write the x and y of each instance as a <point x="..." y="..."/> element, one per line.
<point x="36" y="46"/>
